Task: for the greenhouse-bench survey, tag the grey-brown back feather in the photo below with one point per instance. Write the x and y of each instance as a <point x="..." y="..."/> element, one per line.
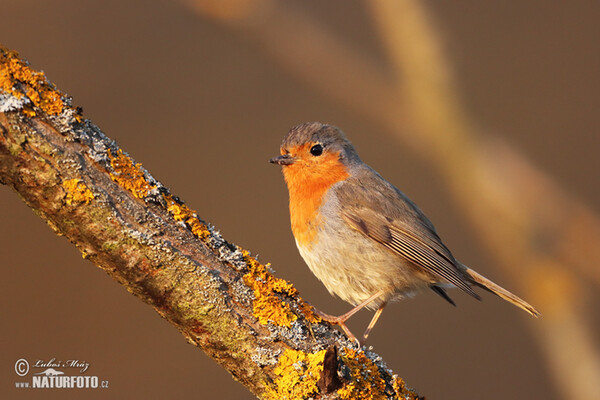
<point x="398" y="224"/>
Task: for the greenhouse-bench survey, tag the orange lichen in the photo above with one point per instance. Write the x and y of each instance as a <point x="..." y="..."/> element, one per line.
<point x="77" y="192"/>
<point x="401" y="391"/>
<point x="268" y="307"/>
<point x="183" y="213"/>
<point x="366" y="381"/>
<point x="129" y="175"/>
<point x="298" y="374"/>
<point x="19" y="80"/>
<point x="309" y="312"/>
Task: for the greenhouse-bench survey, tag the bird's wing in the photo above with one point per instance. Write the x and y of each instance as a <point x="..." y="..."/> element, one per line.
<point x="387" y="216"/>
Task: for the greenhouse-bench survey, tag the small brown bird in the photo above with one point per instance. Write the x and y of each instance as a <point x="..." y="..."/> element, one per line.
<point x="363" y="238"/>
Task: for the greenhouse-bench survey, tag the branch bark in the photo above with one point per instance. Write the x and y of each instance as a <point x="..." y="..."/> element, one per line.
<point x="216" y="294"/>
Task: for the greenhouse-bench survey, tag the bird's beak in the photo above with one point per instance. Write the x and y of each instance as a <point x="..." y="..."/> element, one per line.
<point x="284" y="159"/>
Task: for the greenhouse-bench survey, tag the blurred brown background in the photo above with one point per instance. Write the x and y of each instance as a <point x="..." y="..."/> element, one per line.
<point x="203" y="107"/>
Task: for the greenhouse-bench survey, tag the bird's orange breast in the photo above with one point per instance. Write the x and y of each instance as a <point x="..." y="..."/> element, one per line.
<point x="307" y="185"/>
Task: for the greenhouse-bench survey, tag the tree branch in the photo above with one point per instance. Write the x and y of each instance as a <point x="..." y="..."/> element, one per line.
<point x="216" y="294"/>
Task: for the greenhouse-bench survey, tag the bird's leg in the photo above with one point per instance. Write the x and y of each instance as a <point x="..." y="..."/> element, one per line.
<point x="373" y="322"/>
<point x="341" y="320"/>
<point x="337" y="321"/>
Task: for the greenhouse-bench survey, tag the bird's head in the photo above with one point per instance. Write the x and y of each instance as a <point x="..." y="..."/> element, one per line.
<point x="313" y="153"/>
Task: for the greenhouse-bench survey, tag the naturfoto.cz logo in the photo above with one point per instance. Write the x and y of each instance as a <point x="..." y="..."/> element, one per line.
<point x="50" y="377"/>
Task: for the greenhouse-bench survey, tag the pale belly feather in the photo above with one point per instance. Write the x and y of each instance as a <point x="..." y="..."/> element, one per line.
<point x="355" y="267"/>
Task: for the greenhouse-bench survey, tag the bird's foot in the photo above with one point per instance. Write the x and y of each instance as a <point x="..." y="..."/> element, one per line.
<point x="341" y="322"/>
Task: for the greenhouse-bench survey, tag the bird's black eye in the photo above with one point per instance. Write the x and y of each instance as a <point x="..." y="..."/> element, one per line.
<point x="316" y="150"/>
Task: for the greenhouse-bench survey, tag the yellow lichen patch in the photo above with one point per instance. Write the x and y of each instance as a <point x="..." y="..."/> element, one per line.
<point x="77" y="192"/>
<point x="365" y="380"/>
<point x="183" y="213"/>
<point x="401" y="391"/>
<point x="308" y="312"/>
<point x="298" y="374"/>
<point x="18" y="79"/>
<point x="129" y="175"/>
<point x="268" y="307"/>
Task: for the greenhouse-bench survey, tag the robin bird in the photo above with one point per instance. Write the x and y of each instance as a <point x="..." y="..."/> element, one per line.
<point x="362" y="237"/>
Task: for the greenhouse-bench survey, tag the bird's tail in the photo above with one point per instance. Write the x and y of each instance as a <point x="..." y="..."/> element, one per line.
<point x="498" y="290"/>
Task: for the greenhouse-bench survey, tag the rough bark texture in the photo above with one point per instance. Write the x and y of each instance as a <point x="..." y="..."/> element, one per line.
<point x="125" y="222"/>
